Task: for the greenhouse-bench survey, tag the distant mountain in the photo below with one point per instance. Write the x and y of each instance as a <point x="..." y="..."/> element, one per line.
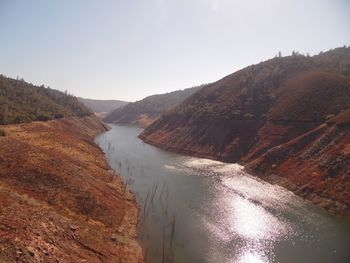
<point x="23" y="102"/>
<point x="288" y="117"/>
<point x="144" y="111"/>
<point x="102" y="106"/>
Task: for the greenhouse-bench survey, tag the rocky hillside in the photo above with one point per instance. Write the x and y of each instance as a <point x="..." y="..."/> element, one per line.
<point x="145" y="111"/>
<point x="102" y="106"/>
<point x="59" y="201"/>
<point x="23" y="102"/>
<point x="288" y="117"/>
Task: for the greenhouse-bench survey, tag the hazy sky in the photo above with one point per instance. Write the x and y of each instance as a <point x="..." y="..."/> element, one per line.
<point x="128" y="49"/>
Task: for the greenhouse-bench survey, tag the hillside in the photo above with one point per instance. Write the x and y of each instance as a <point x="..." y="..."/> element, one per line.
<point x="144" y="111"/>
<point x="59" y="201"/>
<point x="23" y="102"/>
<point x="102" y="106"/>
<point x="288" y="116"/>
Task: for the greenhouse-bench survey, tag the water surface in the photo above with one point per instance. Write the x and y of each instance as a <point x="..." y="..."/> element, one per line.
<point x="198" y="210"/>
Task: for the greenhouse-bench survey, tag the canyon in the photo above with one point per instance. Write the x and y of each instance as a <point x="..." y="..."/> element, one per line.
<point x="286" y="119"/>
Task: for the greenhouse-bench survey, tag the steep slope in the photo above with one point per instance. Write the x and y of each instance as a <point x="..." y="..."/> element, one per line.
<point x="315" y="165"/>
<point x="59" y="201"/>
<point x="23" y="102"/>
<point x="102" y="106"/>
<point x="145" y="111"/>
<point x="267" y="113"/>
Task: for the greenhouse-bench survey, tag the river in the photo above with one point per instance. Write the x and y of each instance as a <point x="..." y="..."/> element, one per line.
<point x="198" y="210"/>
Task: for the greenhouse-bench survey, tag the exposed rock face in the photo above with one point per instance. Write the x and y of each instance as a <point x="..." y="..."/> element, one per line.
<point x="286" y="119"/>
<point x="58" y="199"/>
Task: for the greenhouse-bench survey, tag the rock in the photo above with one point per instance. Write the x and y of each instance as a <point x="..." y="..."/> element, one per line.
<point x="114" y="237"/>
<point x="31" y="251"/>
<point x="18" y="254"/>
<point x="73" y="227"/>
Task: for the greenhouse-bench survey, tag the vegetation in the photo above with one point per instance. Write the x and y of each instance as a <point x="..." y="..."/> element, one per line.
<point x="102" y="105"/>
<point x="283" y="88"/>
<point x="151" y="106"/>
<point x="23" y="102"/>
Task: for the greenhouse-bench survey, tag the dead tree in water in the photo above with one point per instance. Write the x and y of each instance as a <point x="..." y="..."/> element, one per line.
<point x="172" y="235"/>
<point x="154" y="190"/>
<point x="163" y="256"/>
<point x="161" y="191"/>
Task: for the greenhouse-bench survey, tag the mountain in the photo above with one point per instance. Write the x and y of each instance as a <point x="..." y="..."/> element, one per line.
<point x="287" y="119"/>
<point x="144" y="111"/>
<point x="102" y="106"/>
<point x="23" y="102"/>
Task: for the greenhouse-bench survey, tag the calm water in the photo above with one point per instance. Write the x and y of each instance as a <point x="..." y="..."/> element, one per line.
<point x="198" y="210"/>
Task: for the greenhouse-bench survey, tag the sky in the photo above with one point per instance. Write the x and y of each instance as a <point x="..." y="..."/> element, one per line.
<point x="129" y="49"/>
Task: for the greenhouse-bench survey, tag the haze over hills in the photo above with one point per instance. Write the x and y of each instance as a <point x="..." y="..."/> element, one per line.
<point x="102" y="106"/>
<point x="23" y="102"/>
<point x="144" y="111"/>
<point x="288" y="116"/>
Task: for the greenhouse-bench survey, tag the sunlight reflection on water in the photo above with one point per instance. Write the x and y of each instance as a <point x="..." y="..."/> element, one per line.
<point x="251" y="221"/>
<point x="249" y="257"/>
<point x="240" y="211"/>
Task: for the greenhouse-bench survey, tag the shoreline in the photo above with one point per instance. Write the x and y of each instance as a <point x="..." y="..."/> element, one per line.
<point x="59" y="200"/>
<point x="330" y="206"/>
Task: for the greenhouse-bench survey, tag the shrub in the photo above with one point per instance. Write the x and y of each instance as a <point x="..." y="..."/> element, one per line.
<point x="43" y="118"/>
<point x="2" y="133"/>
<point x="18" y="119"/>
<point x="59" y="116"/>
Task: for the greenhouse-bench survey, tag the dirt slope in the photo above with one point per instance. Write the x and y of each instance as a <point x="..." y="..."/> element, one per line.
<point x="59" y="202"/>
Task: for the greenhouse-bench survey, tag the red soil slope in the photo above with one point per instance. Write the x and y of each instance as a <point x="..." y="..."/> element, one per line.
<point x="58" y="200"/>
